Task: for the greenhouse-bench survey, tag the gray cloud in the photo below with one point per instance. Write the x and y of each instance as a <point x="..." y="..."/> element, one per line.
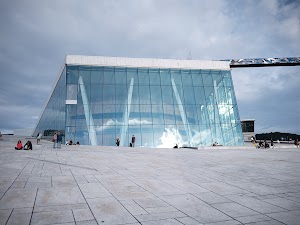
<point x="36" y="36"/>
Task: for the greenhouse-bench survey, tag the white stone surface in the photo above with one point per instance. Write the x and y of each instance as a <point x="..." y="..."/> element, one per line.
<point x="145" y="62"/>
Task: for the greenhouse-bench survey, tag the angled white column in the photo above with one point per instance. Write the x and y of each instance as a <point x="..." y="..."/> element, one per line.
<point x="182" y="112"/>
<point x="126" y="113"/>
<point x="88" y="117"/>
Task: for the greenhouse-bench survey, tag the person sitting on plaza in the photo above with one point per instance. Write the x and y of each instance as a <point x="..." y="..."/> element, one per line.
<point x="19" y="145"/>
<point x="266" y="144"/>
<point x="28" y="145"/>
<point x="260" y="144"/>
<point x="77" y="143"/>
<point x="70" y="142"/>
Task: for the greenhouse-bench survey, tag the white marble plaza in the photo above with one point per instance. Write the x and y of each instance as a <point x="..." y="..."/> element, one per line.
<point x="86" y="185"/>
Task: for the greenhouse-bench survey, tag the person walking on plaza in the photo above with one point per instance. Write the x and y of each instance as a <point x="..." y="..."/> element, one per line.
<point x="38" y="138"/>
<point x="118" y="141"/>
<point x="59" y="139"/>
<point x="54" y="139"/>
<point x="133" y="140"/>
<point x="272" y="143"/>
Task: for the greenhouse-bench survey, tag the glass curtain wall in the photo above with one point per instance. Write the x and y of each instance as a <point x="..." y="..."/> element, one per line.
<point x="160" y="107"/>
<point x="53" y="117"/>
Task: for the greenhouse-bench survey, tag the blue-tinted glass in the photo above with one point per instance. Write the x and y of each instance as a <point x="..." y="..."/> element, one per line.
<point x="186" y="78"/>
<point x="207" y="78"/>
<point x="121" y="94"/>
<point x="120" y="76"/>
<point x="154" y="76"/>
<point x="197" y="77"/>
<point x="156" y="97"/>
<point x="96" y="75"/>
<point x="189" y="97"/>
<point x="191" y="114"/>
<point x="147" y="135"/>
<point x="72" y="74"/>
<point x="165" y="77"/>
<point x="144" y="94"/>
<point x="169" y="116"/>
<point x="167" y="95"/>
<point x="96" y="94"/>
<point x="227" y="78"/>
<point x="199" y="95"/>
<point x="176" y="77"/>
<point x="191" y="107"/>
<point x="157" y="114"/>
<point x="109" y="115"/>
<point x="132" y="76"/>
<point x="85" y="75"/>
<point x="135" y="99"/>
<point x="217" y="77"/>
<point x="146" y="114"/>
<point x="143" y="75"/>
<point x="109" y="75"/>
<point x="109" y="94"/>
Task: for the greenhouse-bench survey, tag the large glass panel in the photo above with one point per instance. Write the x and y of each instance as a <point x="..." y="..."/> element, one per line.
<point x="97" y="75"/>
<point x="167" y="95"/>
<point x="72" y="74"/>
<point x="144" y="94"/>
<point x="96" y="94"/>
<point x="156" y="94"/>
<point x="186" y="78"/>
<point x="197" y="77"/>
<point x="121" y="94"/>
<point x="143" y="75"/>
<point x="109" y="94"/>
<point x="165" y="77"/>
<point x="71" y="91"/>
<point x="154" y="76"/>
<point x="109" y="75"/>
<point x="189" y="97"/>
<point x="121" y="76"/>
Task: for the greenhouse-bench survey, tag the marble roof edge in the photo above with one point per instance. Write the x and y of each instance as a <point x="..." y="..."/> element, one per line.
<point x="145" y="62"/>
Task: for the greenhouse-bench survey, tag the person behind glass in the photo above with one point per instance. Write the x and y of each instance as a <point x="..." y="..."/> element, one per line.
<point x="38" y="138"/>
<point x="118" y="141"/>
<point x="28" y="145"/>
<point x="272" y="143"/>
<point x="59" y="139"/>
<point x="54" y="139"/>
<point x="19" y="145"/>
<point x="133" y="140"/>
<point x="297" y="143"/>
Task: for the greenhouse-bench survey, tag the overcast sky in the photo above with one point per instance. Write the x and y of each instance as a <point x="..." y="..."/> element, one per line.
<point x="36" y="36"/>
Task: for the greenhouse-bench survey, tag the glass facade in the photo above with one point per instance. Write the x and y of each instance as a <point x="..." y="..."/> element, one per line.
<point x="160" y="107"/>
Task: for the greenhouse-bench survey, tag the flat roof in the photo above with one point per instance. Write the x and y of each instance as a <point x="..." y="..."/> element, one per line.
<point x="145" y="62"/>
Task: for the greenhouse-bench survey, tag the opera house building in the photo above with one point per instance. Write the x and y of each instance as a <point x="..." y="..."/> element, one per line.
<point x="162" y="102"/>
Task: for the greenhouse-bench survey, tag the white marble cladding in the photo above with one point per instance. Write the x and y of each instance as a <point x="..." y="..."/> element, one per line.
<point x="145" y="62"/>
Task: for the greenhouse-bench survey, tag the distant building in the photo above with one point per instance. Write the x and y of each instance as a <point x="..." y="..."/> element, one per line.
<point x="162" y="102"/>
<point x="248" y="128"/>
